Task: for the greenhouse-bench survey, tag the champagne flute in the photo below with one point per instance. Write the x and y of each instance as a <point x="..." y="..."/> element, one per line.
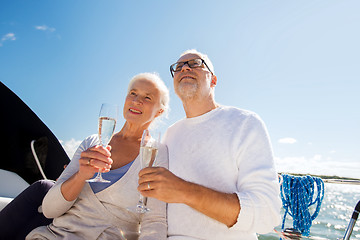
<point x="148" y="151"/>
<point x="107" y="122"/>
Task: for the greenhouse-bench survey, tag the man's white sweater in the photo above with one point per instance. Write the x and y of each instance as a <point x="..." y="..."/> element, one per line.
<point x="228" y="150"/>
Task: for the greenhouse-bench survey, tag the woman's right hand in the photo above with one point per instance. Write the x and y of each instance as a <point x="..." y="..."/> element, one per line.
<point x="93" y="159"/>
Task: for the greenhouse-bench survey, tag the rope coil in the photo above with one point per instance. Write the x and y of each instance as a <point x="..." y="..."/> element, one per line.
<point x="297" y="195"/>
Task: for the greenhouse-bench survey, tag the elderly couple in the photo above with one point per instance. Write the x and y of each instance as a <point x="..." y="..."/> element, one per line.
<point x="215" y="177"/>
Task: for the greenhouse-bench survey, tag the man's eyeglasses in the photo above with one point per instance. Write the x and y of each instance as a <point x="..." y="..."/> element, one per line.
<point x="193" y="63"/>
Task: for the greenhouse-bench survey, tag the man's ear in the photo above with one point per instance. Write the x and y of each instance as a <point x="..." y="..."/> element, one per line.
<point x="213" y="81"/>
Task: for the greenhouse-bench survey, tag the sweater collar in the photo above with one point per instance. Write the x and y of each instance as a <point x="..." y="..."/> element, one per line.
<point x="203" y="117"/>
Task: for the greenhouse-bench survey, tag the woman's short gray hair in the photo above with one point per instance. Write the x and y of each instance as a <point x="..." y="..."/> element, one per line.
<point x="164" y="91"/>
<point x="202" y="55"/>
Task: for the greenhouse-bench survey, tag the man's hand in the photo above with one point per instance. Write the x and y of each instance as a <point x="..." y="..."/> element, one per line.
<point x="160" y="183"/>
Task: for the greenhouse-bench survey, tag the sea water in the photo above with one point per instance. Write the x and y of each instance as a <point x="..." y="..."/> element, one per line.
<point x="336" y="209"/>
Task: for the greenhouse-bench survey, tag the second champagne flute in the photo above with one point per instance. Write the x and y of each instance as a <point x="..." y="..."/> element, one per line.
<point x="107" y="122"/>
<point x="148" y="151"/>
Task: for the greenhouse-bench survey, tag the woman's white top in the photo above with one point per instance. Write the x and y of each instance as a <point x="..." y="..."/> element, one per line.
<point x="103" y="215"/>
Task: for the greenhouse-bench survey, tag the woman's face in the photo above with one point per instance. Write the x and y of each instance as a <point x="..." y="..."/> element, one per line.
<point x="142" y="103"/>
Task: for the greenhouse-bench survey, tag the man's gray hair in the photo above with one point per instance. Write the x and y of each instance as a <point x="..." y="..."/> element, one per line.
<point x="202" y="55"/>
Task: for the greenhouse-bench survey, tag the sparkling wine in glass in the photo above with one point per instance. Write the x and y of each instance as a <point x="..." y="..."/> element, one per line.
<point x="148" y="151"/>
<point x="107" y="122"/>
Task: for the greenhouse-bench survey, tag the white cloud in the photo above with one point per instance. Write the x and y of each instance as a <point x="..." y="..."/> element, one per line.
<point x="287" y="140"/>
<point x="70" y="146"/>
<point x="7" y="37"/>
<point x="45" y="28"/>
<point x="318" y="165"/>
<point x="317" y="157"/>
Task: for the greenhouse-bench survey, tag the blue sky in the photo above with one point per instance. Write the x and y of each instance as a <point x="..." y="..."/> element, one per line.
<point x="295" y="63"/>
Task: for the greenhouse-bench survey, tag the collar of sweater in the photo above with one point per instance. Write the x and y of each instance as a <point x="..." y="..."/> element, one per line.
<point x="203" y="117"/>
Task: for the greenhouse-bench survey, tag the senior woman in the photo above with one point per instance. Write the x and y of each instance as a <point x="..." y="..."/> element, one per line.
<point x="83" y="210"/>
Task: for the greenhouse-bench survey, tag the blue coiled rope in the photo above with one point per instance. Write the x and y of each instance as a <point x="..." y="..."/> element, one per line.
<point x="297" y="195"/>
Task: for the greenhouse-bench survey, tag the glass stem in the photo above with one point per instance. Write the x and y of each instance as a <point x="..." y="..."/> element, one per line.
<point x="142" y="200"/>
<point x="98" y="174"/>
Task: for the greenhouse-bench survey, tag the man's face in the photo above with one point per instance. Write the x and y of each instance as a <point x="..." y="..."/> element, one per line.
<point x="192" y="83"/>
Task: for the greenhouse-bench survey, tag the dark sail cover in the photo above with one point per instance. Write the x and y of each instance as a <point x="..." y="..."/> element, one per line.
<point x="19" y="126"/>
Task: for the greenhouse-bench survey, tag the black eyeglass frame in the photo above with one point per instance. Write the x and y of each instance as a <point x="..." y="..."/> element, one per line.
<point x="187" y="62"/>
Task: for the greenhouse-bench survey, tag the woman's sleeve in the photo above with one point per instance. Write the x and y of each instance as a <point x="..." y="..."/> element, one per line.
<point x="154" y="223"/>
<point x="257" y="184"/>
<point x="54" y="203"/>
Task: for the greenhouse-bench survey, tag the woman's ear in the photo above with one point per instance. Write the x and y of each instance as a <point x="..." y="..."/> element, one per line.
<point x="159" y="112"/>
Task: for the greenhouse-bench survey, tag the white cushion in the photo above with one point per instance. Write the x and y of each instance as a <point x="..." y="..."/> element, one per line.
<point x="4" y="201"/>
<point x="11" y="184"/>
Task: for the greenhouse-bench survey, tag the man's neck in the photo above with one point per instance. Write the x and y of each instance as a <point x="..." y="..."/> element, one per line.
<point x="195" y="108"/>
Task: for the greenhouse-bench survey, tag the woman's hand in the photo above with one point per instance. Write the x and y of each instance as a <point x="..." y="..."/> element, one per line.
<point x="93" y="159"/>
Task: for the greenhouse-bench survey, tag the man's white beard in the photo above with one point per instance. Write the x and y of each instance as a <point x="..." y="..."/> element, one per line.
<point x="187" y="91"/>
